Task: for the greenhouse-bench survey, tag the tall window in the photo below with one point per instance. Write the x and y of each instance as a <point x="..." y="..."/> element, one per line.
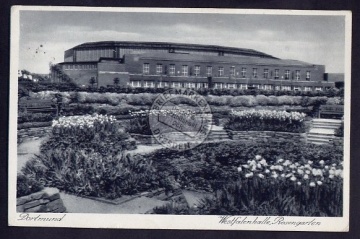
<point x="209" y="71"/>
<point x="243" y="86"/>
<point x="255" y="72"/>
<point x="267" y="87"/>
<point x="135" y="83"/>
<point x="149" y="84"/>
<point x="276" y="74"/>
<point x="146" y="68"/>
<point x="221" y="71"/>
<point x="243" y="72"/>
<point x="218" y="85"/>
<point x="189" y="85"/>
<point x="231" y="86"/>
<point x="297" y="75"/>
<point x="308" y="75"/>
<point x="197" y="71"/>
<point x="159" y="69"/>
<point x="176" y="84"/>
<point x="184" y="70"/>
<point x="266" y="73"/>
<point x="232" y="71"/>
<point x="172" y="70"/>
<point x="287" y="74"/>
<point x="286" y="87"/>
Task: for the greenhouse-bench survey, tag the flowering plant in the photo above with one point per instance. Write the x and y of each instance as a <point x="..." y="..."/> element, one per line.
<point x="100" y="132"/>
<point x="309" y="173"/>
<point x="271" y="120"/>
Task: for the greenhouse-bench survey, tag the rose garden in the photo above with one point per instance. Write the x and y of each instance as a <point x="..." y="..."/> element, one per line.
<point x="259" y="158"/>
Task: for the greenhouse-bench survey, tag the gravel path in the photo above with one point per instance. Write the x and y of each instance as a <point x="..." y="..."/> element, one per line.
<point x="138" y="205"/>
<point x="27" y="150"/>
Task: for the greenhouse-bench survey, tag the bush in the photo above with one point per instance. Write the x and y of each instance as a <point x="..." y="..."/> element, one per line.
<point x="28" y="125"/>
<point x="78" y="109"/>
<point x="262" y="100"/>
<point x="244" y="100"/>
<point x="35" y="117"/>
<point x="340" y="131"/>
<point x="218" y="100"/>
<point x="26" y="186"/>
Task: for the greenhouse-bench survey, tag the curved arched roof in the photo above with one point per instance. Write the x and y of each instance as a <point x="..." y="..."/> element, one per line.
<point x="174" y="46"/>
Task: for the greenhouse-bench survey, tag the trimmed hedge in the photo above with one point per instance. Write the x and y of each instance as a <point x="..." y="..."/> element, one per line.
<point x="46" y="86"/>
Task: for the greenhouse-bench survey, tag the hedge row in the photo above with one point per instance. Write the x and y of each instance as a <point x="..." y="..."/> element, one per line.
<point x="147" y="99"/>
<point x="64" y="87"/>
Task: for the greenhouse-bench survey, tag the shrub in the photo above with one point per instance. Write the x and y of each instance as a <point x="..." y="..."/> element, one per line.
<point x="243" y="100"/>
<point x="27" y="125"/>
<point x="218" y="100"/>
<point x="173" y="208"/>
<point x="340" y="131"/>
<point x="35" y="117"/>
<point x="273" y="100"/>
<point x="141" y="99"/>
<point x="26" y="186"/>
<point x="262" y="100"/>
<point x="285" y="100"/>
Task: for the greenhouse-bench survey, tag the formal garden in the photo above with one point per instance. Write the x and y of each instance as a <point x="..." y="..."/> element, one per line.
<point x="90" y="150"/>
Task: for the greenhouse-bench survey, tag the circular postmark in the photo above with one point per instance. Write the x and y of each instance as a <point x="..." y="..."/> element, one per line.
<point x="180" y="119"/>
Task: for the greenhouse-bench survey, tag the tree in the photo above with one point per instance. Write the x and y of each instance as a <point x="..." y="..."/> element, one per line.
<point x="92" y="81"/>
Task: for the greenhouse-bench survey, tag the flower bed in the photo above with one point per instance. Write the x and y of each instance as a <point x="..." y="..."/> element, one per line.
<point x="281" y="187"/>
<point x="87" y="156"/>
<point x="266" y="120"/>
<point x="265" y="185"/>
<point x="139" y="123"/>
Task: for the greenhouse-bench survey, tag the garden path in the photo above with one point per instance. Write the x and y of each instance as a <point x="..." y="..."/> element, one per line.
<point x="26" y="150"/>
<point x="138" y="205"/>
<point x="145" y="149"/>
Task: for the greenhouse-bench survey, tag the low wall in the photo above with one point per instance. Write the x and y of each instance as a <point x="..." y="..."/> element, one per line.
<point x="253" y="136"/>
<point x="47" y="200"/>
<point x="144" y="139"/>
<point x="30" y="133"/>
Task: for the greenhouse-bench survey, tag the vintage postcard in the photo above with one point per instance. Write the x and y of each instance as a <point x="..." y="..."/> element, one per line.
<point x="179" y="118"/>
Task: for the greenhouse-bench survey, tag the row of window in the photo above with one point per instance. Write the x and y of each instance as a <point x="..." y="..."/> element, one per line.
<point x="80" y="67"/>
<point x="209" y="72"/>
<point x="152" y="84"/>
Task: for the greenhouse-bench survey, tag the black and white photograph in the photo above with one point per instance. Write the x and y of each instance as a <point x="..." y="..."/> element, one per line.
<point x="217" y="119"/>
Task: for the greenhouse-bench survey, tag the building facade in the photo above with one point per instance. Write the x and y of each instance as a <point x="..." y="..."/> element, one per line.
<point x="159" y="65"/>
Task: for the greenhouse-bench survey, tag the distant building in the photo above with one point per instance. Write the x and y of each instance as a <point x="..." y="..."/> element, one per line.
<point x="153" y="64"/>
<point x="336" y="78"/>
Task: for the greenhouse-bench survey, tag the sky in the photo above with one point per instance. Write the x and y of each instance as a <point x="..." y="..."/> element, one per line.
<point x="45" y="35"/>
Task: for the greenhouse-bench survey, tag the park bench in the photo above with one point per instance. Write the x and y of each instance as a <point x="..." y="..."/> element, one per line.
<point x="331" y="111"/>
<point x="38" y="106"/>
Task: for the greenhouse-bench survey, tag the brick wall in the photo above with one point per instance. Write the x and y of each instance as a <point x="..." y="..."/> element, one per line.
<point x="108" y="71"/>
<point x="47" y="200"/>
<point x="81" y="76"/>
